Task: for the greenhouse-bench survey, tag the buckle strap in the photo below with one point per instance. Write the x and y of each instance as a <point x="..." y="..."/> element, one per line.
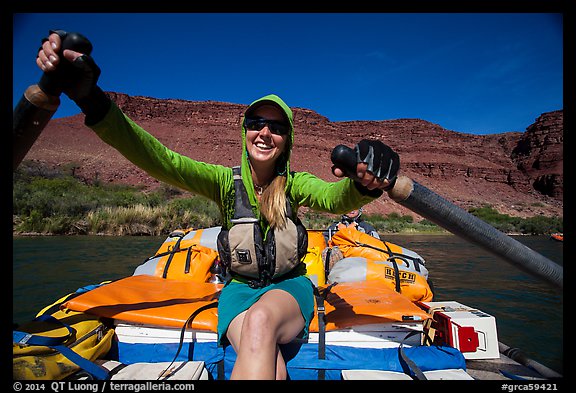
<point x="57" y="343"/>
<point x="23" y="338"/>
<point x="412" y="366"/>
<point x="320" y="296"/>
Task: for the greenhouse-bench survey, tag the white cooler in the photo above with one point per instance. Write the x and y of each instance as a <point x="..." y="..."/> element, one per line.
<point x="470" y="330"/>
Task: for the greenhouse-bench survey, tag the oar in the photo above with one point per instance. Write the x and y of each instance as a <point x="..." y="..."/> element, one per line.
<point x="435" y="208"/>
<point x="41" y="101"/>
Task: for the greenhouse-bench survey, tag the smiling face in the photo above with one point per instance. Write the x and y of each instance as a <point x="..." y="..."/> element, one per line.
<point x="263" y="146"/>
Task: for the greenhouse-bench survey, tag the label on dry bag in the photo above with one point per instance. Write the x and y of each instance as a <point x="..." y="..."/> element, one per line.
<point x="352" y="269"/>
<point x="405" y="276"/>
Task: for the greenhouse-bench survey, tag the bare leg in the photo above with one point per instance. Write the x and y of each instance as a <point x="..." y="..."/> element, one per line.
<point x="255" y="334"/>
<point x="281" y="372"/>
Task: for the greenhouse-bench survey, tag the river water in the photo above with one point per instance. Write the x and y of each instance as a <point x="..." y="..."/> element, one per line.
<point x="529" y="313"/>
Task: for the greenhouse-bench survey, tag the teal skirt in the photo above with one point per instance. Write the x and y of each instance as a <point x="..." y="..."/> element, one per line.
<point x="237" y="296"/>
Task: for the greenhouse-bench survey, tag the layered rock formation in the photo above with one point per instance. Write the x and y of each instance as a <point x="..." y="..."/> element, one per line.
<point x="539" y="154"/>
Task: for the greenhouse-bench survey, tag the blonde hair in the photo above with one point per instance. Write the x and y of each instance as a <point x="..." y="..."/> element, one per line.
<point x="273" y="203"/>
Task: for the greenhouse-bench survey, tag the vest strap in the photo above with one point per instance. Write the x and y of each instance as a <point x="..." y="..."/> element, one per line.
<point x="242" y="207"/>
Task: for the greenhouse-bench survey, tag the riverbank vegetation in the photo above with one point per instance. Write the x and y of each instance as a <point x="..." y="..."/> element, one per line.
<point x="55" y="202"/>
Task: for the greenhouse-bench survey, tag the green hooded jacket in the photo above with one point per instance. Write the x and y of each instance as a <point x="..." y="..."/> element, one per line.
<point x="215" y="182"/>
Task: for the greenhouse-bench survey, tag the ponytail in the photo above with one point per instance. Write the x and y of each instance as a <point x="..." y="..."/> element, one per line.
<point x="273" y="203"/>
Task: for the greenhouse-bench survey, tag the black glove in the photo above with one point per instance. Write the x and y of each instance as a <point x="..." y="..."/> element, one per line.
<point x="383" y="162"/>
<point x="83" y="78"/>
<point x="77" y="79"/>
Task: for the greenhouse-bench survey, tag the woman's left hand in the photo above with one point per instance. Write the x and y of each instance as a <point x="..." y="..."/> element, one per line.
<point x="377" y="165"/>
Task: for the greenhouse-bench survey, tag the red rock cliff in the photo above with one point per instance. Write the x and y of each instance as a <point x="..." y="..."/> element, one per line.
<point x="520" y="174"/>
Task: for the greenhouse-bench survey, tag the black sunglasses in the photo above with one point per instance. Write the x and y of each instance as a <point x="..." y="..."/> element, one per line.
<point x="257" y="123"/>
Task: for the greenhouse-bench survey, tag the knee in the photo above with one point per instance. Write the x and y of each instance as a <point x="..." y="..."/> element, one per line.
<point x="259" y="317"/>
<point x="259" y="325"/>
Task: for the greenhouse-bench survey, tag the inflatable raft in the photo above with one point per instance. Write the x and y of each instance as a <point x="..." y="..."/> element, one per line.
<point x="557" y="236"/>
<point x="375" y="319"/>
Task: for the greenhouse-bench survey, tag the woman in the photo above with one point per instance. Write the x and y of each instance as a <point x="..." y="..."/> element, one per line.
<point x="274" y="304"/>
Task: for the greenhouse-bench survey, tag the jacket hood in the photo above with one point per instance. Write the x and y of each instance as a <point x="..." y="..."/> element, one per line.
<point x="284" y="165"/>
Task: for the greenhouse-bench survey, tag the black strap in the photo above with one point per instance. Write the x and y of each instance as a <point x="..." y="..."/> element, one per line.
<point x="117" y="369"/>
<point x="221" y="371"/>
<point x="396" y="274"/>
<point x="327" y="262"/>
<point x="182" y="332"/>
<point x="417" y="261"/>
<point x="176" y="248"/>
<point x="187" y="264"/>
<point x="321" y="311"/>
<point x="242" y="206"/>
<point x="413" y="367"/>
<point x="170" y="252"/>
<point x="243" y="211"/>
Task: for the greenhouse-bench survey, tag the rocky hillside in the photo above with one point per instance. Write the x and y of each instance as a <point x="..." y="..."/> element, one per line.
<point x="518" y="173"/>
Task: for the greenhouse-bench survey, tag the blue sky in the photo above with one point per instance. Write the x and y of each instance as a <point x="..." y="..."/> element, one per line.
<point x="479" y="73"/>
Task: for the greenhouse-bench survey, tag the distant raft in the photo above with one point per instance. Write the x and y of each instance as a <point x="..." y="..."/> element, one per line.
<point x="557" y="236"/>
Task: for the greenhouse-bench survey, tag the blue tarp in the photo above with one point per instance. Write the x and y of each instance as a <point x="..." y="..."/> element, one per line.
<point x="301" y="359"/>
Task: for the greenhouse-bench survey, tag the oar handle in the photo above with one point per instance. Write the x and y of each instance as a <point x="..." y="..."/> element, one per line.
<point x="344" y="158"/>
<point x="39" y="102"/>
<point x="52" y="82"/>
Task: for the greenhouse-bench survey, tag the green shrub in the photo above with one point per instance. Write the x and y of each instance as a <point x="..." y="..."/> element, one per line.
<point x="53" y="201"/>
<point x="539" y="224"/>
<point x="536" y="225"/>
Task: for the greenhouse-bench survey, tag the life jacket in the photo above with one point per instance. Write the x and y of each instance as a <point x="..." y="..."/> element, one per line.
<point x="244" y="251"/>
